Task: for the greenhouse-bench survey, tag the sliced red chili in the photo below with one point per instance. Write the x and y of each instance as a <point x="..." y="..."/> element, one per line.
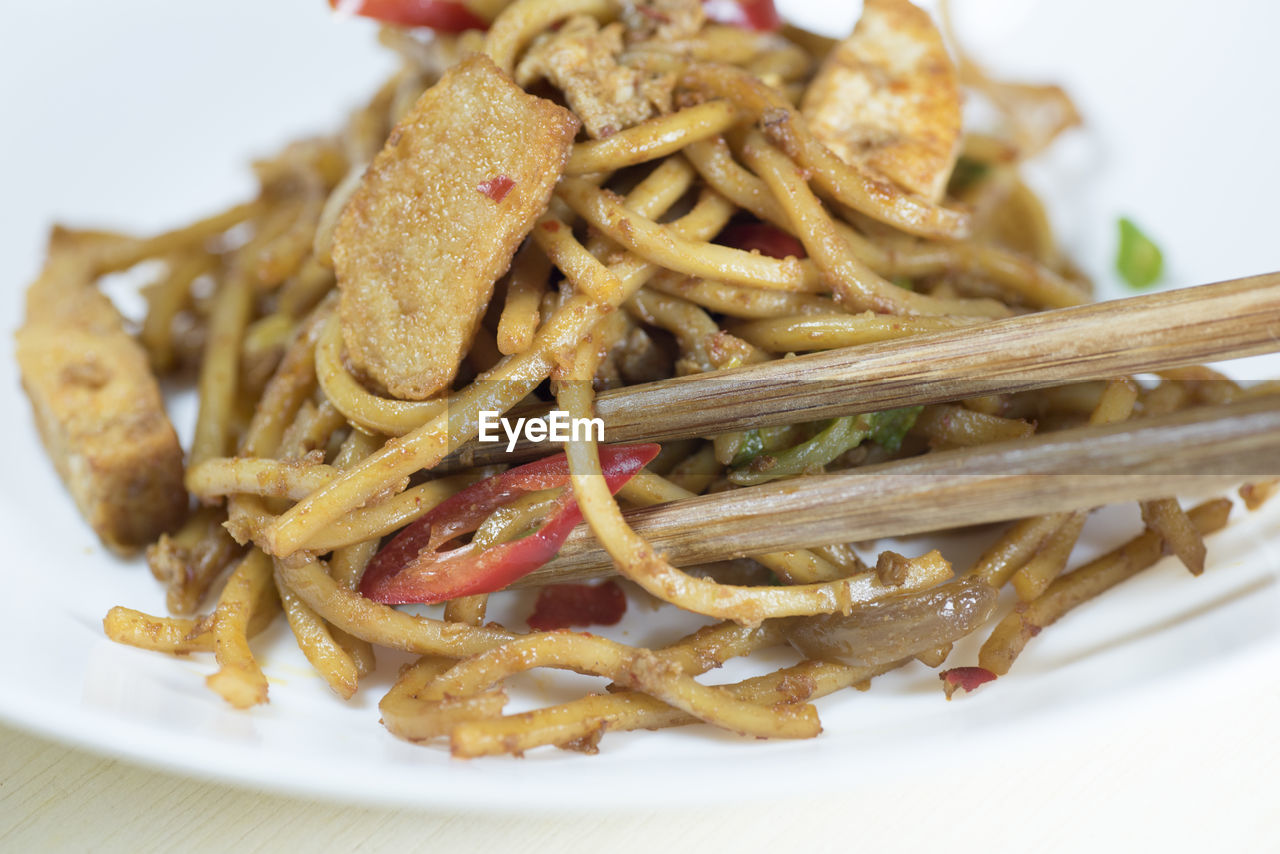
<point x="446" y="16"/>
<point x="759" y="15"/>
<point x="563" y="605"/>
<point x="496" y="187"/>
<point x="451" y="16"/>
<point x="413" y="568"/>
<point x="764" y="238"/>
<point x="964" y="678"/>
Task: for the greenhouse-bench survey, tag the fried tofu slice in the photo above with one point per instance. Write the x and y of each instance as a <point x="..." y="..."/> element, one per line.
<point x="662" y="20"/>
<point x="98" y="408"/>
<point x="888" y="97"/>
<point x="436" y="220"/>
<point x="581" y="59"/>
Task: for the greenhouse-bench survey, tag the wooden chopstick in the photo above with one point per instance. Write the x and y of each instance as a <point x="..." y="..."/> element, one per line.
<point x="1186" y="453"/>
<point x="1187" y="326"/>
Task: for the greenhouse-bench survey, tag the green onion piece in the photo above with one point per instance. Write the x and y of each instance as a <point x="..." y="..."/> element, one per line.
<point x="890" y="427"/>
<point x="838" y="436"/>
<point x="751" y="447"/>
<point x="904" y="283"/>
<point x="887" y="429"/>
<point x="1138" y="260"/>
<point x="966" y="173"/>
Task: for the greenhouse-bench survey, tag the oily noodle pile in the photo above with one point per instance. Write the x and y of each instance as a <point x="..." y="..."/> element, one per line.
<point x="301" y="469"/>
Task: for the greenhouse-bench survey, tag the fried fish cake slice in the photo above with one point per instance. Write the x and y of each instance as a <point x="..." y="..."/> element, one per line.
<point x="888" y="96"/>
<point x="436" y="220"/>
<point x="98" y="408"/>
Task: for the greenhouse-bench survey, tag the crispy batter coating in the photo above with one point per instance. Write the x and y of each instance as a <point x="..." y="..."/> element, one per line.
<point x="888" y="96"/>
<point x="99" y="410"/>
<point x="434" y="223"/>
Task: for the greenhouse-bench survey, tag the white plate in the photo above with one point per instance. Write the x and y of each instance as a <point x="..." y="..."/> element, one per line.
<point x="142" y="114"/>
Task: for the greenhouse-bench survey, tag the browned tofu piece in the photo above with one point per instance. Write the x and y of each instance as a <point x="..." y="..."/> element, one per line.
<point x="662" y="20"/>
<point x="581" y="59"/>
<point x="888" y="96"/>
<point x="99" y="410"/>
<point x="436" y="219"/>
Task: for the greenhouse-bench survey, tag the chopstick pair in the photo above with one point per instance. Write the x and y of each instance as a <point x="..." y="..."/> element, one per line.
<point x="1190" y="452"/>
<point x="1187" y="326"/>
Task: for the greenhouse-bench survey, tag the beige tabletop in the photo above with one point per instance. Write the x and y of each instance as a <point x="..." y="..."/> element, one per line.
<point x="1200" y="776"/>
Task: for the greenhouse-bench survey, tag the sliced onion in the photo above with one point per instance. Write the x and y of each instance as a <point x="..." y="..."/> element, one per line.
<point x="896" y="628"/>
